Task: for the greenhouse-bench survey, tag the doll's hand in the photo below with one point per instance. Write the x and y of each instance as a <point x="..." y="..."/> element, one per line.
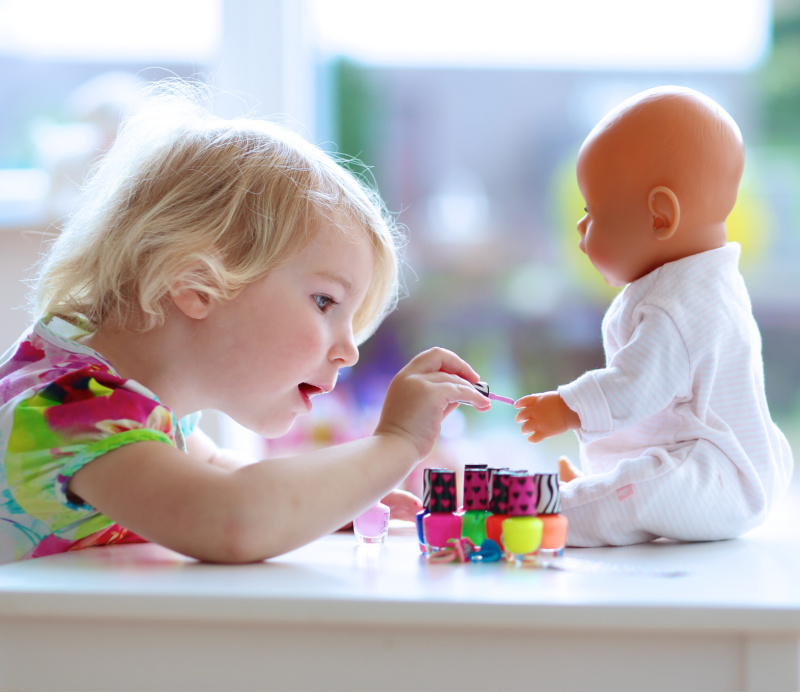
<point x="402" y="505"/>
<point x="423" y="393"/>
<point x="545" y="415"/>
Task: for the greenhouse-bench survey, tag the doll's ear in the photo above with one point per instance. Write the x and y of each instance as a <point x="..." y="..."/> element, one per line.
<point x="666" y="211"/>
<point x="191" y="303"/>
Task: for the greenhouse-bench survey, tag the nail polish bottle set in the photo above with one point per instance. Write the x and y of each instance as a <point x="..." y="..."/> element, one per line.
<point x="516" y="512"/>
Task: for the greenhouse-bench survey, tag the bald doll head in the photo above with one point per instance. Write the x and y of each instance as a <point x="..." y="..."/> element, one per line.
<point x="659" y="175"/>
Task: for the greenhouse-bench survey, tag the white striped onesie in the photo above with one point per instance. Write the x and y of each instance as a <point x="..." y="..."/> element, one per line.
<point x="676" y="436"/>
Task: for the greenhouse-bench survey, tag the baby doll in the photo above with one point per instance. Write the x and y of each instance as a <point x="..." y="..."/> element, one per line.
<point x="676" y="437"/>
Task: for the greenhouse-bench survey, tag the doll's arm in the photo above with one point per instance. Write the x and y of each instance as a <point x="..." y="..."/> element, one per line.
<point x="644" y="377"/>
<point x="545" y="415"/>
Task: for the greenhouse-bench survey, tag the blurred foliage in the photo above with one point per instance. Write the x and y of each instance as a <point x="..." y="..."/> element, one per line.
<point x="359" y="114"/>
<point x="779" y="77"/>
<point x="750" y="223"/>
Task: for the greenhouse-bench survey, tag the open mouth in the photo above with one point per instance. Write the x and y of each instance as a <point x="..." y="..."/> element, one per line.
<point x="310" y="390"/>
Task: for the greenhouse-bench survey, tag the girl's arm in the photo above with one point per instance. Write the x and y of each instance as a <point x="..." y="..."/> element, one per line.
<point x="267" y="508"/>
<point x="403" y="505"/>
<point x="203" y="448"/>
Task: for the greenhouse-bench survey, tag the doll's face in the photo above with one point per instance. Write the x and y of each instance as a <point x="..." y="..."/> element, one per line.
<point x="615" y="231"/>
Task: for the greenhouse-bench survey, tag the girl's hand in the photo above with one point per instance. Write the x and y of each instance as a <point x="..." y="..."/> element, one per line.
<point x="402" y="505"/>
<point x="423" y="393"/>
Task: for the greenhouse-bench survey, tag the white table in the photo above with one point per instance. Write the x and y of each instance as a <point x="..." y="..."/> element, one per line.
<point x="330" y="616"/>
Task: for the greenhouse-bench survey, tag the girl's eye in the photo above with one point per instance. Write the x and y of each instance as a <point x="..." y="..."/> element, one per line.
<point x="323" y="302"/>
<point x="586" y="211"/>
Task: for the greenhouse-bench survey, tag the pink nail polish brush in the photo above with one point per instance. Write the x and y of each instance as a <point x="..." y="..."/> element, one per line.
<point x="483" y="388"/>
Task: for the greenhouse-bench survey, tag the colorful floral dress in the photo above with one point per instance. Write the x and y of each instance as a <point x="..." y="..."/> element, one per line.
<point x="61" y="406"/>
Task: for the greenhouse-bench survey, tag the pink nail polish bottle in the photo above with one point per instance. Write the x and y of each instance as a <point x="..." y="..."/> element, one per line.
<point x="372" y="526"/>
<point x="442" y="523"/>
<point x="476" y="503"/>
<point x="548" y="507"/>
<point x="426" y="505"/>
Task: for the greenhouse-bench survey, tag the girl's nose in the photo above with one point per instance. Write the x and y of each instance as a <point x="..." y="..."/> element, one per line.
<point x="345" y="350"/>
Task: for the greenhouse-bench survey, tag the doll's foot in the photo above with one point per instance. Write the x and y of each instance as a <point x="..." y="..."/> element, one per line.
<point x="566" y="470"/>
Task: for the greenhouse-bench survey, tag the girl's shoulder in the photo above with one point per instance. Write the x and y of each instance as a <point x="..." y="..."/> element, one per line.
<point x="47" y="352"/>
<point x="62" y="406"/>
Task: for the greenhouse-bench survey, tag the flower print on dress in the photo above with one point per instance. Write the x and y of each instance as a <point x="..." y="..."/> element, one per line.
<point x="95" y="404"/>
<point x="62" y="406"/>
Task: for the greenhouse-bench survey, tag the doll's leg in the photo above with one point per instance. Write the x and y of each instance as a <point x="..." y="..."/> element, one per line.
<point x="693" y="494"/>
<point x="566" y="470"/>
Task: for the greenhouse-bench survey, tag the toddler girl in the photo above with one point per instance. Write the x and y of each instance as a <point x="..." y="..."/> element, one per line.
<point x="212" y="264"/>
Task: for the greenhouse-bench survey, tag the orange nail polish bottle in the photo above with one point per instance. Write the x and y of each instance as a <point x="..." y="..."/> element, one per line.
<point x="548" y="506"/>
<point x="498" y="504"/>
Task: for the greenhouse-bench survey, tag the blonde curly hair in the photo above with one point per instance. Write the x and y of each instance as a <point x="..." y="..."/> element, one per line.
<point x="214" y="204"/>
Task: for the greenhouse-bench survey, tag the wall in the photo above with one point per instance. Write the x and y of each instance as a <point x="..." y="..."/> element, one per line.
<point x="19" y="250"/>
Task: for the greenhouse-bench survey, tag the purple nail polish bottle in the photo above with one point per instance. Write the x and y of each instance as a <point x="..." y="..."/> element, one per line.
<point x="372" y="526"/>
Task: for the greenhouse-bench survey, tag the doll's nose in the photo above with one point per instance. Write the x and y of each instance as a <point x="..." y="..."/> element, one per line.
<point x="582" y="231"/>
<point x="582" y="225"/>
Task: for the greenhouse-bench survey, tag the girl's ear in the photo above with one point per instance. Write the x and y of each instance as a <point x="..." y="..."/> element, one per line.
<point x="666" y="211"/>
<point x="191" y="303"/>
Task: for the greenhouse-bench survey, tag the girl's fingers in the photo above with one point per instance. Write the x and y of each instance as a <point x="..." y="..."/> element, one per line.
<point x="450" y="408"/>
<point x="467" y="394"/>
<point x="438" y="359"/>
<point x="402" y="504"/>
<point x="439" y="366"/>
